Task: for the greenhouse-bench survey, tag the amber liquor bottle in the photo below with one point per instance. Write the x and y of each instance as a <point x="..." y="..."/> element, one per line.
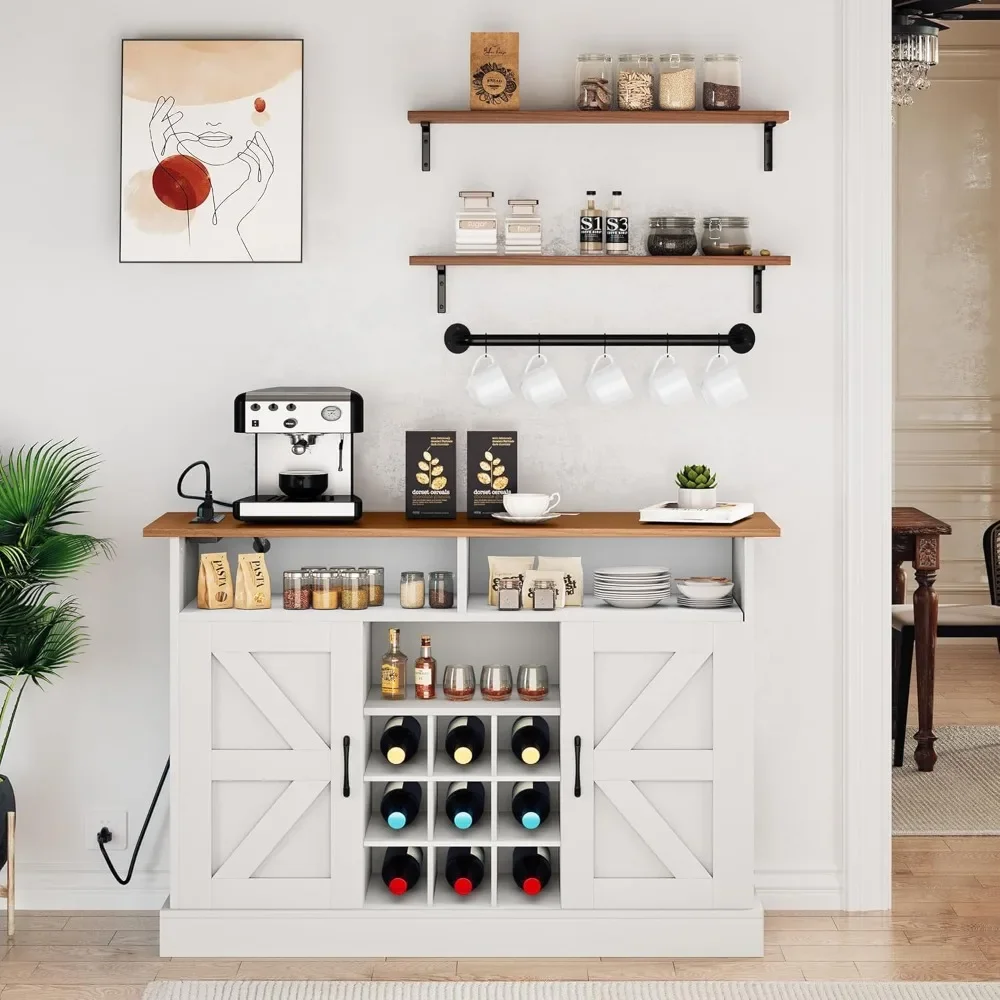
<point x="425" y="670"/>
<point x="394" y="669"/>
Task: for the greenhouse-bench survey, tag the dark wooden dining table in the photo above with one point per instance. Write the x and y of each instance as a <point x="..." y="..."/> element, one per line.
<point x="916" y="539"/>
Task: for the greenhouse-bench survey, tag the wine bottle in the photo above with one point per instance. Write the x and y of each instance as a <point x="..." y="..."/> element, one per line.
<point x="400" y="803"/>
<point x="529" y="738"/>
<point x="530" y="803"/>
<point x="401" y="868"/>
<point x="464" y="868"/>
<point x="400" y="739"/>
<point x="465" y="803"/>
<point x="465" y="739"/>
<point x="532" y="869"/>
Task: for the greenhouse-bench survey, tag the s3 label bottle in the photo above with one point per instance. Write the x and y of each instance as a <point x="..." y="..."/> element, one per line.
<point x="616" y="226"/>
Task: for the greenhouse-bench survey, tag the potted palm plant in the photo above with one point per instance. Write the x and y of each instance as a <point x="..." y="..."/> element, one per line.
<point x="42" y="490"/>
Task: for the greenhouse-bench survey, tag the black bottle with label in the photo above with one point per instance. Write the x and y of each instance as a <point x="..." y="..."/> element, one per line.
<point x="530" y="803"/>
<point x="465" y="739"/>
<point x="465" y="803"/>
<point x="401" y="868"/>
<point x="400" y="739"/>
<point x="400" y="803"/>
<point x="529" y="739"/>
<point x="464" y="868"/>
<point x="532" y="869"/>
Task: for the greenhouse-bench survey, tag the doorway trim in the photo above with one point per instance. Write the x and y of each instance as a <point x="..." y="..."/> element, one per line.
<point x="867" y="452"/>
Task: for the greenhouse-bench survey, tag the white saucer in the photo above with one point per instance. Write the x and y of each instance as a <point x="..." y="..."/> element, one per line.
<point x="511" y="519"/>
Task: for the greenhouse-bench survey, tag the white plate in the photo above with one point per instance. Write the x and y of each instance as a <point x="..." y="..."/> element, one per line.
<point x="511" y="519"/>
<point x="612" y="592"/>
<point x="703" y="604"/>
<point x="631" y="571"/>
<point x="703" y="591"/>
<point x="617" y="603"/>
<point x="632" y="584"/>
<point x="632" y="579"/>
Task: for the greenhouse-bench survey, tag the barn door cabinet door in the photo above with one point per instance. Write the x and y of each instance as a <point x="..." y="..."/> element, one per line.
<point x="657" y="807"/>
<point x="260" y="814"/>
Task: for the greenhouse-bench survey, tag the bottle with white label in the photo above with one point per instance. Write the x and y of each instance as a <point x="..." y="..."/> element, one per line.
<point x="616" y="226"/>
<point x="591" y="227"/>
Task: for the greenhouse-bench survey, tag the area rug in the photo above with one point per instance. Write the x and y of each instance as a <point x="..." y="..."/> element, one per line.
<point x="961" y="796"/>
<point x="165" y="990"/>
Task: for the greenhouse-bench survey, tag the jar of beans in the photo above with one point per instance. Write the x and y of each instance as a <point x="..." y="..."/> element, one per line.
<point x="326" y="588"/>
<point x="354" y="591"/>
<point x="672" y="236"/>
<point x="441" y="590"/>
<point x="411" y="590"/>
<point x="376" y="584"/>
<point x="636" y="76"/>
<point x="723" y="82"/>
<point x="296" y="592"/>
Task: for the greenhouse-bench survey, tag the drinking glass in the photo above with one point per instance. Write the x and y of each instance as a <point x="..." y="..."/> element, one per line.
<point x="495" y="682"/>
<point x="459" y="681"/>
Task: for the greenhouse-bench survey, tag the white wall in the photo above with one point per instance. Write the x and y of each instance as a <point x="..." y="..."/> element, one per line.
<point x="141" y="362"/>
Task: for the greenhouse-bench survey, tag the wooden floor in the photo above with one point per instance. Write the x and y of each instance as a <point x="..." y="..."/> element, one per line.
<point x="944" y="925"/>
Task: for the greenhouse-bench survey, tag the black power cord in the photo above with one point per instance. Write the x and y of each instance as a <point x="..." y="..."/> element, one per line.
<point x="104" y="835"/>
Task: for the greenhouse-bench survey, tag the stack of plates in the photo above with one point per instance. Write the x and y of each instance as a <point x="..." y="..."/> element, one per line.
<point x="705" y="592"/>
<point x="694" y="602"/>
<point x="632" y="586"/>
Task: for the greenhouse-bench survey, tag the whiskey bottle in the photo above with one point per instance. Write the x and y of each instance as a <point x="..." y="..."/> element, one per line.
<point x="394" y="669"/>
<point x="425" y="670"/>
<point x="529" y="739"/>
<point x="591" y="227"/>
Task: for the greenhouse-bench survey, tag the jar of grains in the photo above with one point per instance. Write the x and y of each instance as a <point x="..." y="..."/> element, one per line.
<point x="723" y="82"/>
<point x="326" y="590"/>
<point x="725" y="236"/>
<point x="635" y="82"/>
<point x="354" y="591"/>
<point x="678" y="90"/>
<point x="376" y="584"/>
<point x="672" y="236"/>
<point x="441" y="590"/>
<point x="411" y="590"/>
<point x="593" y="82"/>
<point x="309" y="571"/>
<point x="296" y="594"/>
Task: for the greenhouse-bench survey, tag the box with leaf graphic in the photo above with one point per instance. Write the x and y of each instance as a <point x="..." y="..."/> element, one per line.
<point x="492" y="460"/>
<point x="430" y="474"/>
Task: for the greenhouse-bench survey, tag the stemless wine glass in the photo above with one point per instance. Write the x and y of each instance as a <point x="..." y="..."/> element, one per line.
<point x="459" y="681"/>
<point x="532" y="681"/>
<point x="495" y="682"/>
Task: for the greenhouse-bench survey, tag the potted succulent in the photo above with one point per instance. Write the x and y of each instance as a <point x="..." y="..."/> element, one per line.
<point x="696" y="487"/>
<point x="42" y="489"/>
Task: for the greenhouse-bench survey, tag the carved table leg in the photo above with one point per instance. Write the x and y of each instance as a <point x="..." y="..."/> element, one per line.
<point x="898" y="578"/>
<point x="925" y="618"/>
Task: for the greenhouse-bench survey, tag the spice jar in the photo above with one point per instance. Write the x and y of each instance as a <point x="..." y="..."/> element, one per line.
<point x="509" y="593"/>
<point x="308" y="572"/>
<point x="296" y="594"/>
<point x="672" y="236"/>
<point x="635" y="82"/>
<point x="411" y="590"/>
<point x="441" y="590"/>
<point x="375" y="575"/>
<point x="678" y="88"/>
<point x="593" y="82"/>
<point x="326" y="590"/>
<point x="725" y="236"/>
<point x="354" y="591"/>
<point x="723" y="83"/>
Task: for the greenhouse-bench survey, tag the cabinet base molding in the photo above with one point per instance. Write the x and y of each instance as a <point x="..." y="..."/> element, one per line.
<point x="486" y="934"/>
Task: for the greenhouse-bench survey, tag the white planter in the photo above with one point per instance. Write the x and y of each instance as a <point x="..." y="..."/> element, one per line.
<point x="696" y="499"/>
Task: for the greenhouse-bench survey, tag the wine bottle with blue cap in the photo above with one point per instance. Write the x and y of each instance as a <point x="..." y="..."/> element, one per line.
<point x="465" y="803"/>
<point x="400" y="803"/>
<point x="530" y="803"/>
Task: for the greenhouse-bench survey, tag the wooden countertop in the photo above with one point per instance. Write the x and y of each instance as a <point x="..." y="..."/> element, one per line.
<point x="393" y="524"/>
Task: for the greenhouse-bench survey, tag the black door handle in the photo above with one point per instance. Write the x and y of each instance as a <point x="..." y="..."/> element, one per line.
<point x="577" y="743"/>
<point x="347" y="764"/>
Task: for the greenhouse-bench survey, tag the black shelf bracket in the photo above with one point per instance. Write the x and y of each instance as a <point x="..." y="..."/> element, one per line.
<point x="768" y="146"/>
<point x="425" y="146"/>
<point x="442" y="288"/>
<point x="758" y="288"/>
<point x="458" y="338"/>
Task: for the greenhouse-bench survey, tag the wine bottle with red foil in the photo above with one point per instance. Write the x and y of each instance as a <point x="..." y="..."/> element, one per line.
<point x="401" y="868"/>
<point x="529" y="739"/>
<point x="465" y="739"/>
<point x="400" y="803"/>
<point x="530" y="803"/>
<point x="465" y="803"/>
<point x="400" y="739"/>
<point x="532" y="869"/>
<point x="464" y="868"/>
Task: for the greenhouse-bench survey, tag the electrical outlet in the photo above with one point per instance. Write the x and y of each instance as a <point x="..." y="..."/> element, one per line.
<point x="116" y="820"/>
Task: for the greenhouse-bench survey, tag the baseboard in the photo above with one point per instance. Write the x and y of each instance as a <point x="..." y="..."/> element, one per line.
<point x="801" y="890"/>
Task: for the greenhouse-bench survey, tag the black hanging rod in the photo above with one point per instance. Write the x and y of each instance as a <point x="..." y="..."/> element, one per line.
<point x="458" y="338"/>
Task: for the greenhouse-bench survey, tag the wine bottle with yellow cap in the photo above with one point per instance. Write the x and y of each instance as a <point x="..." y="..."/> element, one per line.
<point x="529" y="739"/>
<point x="400" y="739"/>
<point x="465" y="739"/>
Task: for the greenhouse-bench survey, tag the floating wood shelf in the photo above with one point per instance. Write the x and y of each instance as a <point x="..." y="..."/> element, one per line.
<point x="444" y="261"/>
<point x="769" y="119"/>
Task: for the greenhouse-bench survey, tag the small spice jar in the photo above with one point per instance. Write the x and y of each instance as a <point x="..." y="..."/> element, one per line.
<point x="509" y="593"/>
<point x="723" y="83"/>
<point x="326" y="590"/>
<point x="296" y="594"/>
<point x="411" y="590"/>
<point x="725" y="236"/>
<point x="593" y="82"/>
<point x="441" y="590"/>
<point x="309" y="572"/>
<point x="672" y="236"/>
<point x="678" y="87"/>
<point x="376" y="584"/>
<point x="354" y="592"/>
<point x="636" y="75"/>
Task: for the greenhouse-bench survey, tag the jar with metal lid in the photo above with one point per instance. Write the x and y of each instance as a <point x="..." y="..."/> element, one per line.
<point x="411" y="589"/>
<point x="326" y="588"/>
<point x="725" y="236"/>
<point x="636" y="77"/>
<point x="441" y="590"/>
<point x="296" y="593"/>
<point x="594" y="88"/>
<point x="678" y="86"/>
<point x="308" y="571"/>
<point x="723" y="82"/>
<point x="354" y="591"/>
<point x="672" y="236"/>
<point x="376" y="584"/>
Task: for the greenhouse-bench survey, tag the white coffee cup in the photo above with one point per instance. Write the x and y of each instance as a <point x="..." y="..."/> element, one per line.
<point x="530" y="504"/>
<point x="487" y="384"/>
<point x="606" y="382"/>
<point x="668" y="382"/>
<point x="722" y="384"/>
<point x="541" y="384"/>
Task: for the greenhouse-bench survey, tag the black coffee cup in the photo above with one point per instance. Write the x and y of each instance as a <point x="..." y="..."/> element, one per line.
<point x="306" y="484"/>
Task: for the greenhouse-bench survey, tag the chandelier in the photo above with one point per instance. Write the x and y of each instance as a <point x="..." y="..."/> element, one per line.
<point x="914" y="52"/>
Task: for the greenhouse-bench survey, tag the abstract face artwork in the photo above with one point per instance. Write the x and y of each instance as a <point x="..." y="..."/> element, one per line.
<point x="211" y="150"/>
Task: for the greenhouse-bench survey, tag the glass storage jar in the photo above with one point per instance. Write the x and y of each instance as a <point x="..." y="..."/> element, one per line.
<point x="441" y="590"/>
<point x="296" y="592"/>
<point x="375" y="575"/>
<point x="678" y="86"/>
<point x="326" y="590"/>
<point x="672" y="236"/>
<point x="725" y="236"/>
<point x="594" y="88"/>
<point x="354" y="591"/>
<point x="411" y="590"/>
<point x="723" y="82"/>
<point x="636" y="78"/>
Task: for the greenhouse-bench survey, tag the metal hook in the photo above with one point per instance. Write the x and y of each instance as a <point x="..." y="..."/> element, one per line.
<point x="719" y="350"/>
<point x="667" y="339"/>
<point x="605" y="343"/>
<point x="539" y="342"/>
<point x="486" y="344"/>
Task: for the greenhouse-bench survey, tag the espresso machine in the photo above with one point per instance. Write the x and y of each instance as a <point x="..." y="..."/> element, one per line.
<point x="303" y="453"/>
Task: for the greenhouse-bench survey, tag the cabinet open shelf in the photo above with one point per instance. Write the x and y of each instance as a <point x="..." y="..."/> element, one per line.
<point x="477" y="705"/>
<point x="380" y="834"/>
<point x="415" y="769"/>
<point x="510" y="833"/>
<point x="509" y="896"/>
